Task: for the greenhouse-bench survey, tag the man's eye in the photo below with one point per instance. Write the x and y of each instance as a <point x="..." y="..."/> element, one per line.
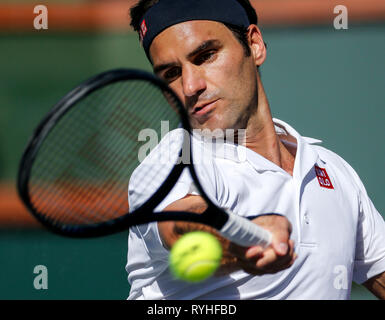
<point x="171" y="74"/>
<point x="206" y="56"/>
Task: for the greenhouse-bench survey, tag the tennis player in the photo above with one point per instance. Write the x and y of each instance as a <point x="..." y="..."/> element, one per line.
<point x="209" y="52"/>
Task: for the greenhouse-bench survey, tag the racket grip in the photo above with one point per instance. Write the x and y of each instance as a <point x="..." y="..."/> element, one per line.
<point x="245" y="233"/>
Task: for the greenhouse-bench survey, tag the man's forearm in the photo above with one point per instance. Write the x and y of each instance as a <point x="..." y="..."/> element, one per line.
<point x="376" y="285"/>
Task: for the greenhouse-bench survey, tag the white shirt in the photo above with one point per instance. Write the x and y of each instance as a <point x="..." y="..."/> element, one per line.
<point x="339" y="235"/>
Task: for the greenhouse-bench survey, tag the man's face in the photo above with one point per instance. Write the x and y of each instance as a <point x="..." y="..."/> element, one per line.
<point x="207" y="68"/>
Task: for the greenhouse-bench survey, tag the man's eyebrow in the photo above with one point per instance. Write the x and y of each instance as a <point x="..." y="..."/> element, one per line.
<point x="161" y="67"/>
<point x="205" y="45"/>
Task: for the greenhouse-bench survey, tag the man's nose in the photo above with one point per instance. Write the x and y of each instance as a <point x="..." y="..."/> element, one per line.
<point x="193" y="81"/>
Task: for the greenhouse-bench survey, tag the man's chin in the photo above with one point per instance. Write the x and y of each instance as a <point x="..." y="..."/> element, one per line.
<point x="213" y="131"/>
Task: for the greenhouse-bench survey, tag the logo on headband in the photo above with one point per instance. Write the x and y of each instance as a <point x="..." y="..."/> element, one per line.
<point x="143" y="30"/>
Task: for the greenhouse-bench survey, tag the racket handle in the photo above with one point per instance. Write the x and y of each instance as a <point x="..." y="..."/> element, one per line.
<point x="245" y="233"/>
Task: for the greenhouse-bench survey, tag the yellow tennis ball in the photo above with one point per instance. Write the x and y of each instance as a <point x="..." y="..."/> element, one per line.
<point x="195" y="256"/>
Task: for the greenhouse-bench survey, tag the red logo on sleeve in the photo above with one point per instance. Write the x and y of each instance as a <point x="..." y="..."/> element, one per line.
<point x="323" y="178"/>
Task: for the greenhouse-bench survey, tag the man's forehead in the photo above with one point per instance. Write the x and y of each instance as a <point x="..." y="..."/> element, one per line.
<point x="187" y="36"/>
<point x="166" y="13"/>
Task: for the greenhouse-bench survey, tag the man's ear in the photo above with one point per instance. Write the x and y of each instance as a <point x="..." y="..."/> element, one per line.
<point x="257" y="46"/>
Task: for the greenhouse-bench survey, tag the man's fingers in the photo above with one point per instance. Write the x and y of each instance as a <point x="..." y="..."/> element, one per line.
<point x="280" y="242"/>
<point x="281" y="248"/>
<point x="254" y="252"/>
<point x="271" y="261"/>
<point x="278" y="256"/>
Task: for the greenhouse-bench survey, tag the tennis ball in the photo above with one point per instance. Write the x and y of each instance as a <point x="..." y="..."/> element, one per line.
<point x="195" y="256"/>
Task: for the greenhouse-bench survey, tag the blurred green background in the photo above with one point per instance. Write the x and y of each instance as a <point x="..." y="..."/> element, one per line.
<point x="327" y="84"/>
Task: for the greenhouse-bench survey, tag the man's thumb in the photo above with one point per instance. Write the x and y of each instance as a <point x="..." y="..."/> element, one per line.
<point x="281" y="248"/>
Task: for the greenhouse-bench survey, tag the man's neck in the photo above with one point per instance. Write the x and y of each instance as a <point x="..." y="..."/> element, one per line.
<point x="262" y="138"/>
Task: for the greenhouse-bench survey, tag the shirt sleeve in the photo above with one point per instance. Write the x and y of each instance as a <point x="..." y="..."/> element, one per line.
<point x="370" y="238"/>
<point x="148" y="233"/>
<point x="370" y="242"/>
<point x="147" y="257"/>
<point x="183" y="187"/>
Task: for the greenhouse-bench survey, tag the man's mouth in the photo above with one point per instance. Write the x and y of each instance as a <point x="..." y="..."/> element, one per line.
<point x="202" y="109"/>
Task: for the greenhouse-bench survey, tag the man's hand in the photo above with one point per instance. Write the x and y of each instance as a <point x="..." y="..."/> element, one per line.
<point x="255" y="260"/>
<point x="278" y="256"/>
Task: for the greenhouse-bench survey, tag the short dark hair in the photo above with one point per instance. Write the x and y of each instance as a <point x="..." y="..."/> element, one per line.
<point x="241" y="34"/>
<point x="139" y="10"/>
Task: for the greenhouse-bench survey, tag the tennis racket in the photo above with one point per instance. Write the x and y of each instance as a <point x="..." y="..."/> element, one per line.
<point x="74" y="173"/>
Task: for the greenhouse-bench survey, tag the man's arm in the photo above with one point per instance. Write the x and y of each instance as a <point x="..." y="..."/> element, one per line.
<point x="376" y="285"/>
<point x="255" y="260"/>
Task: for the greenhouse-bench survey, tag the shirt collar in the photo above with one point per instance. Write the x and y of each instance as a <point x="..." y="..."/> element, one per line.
<point x="306" y="156"/>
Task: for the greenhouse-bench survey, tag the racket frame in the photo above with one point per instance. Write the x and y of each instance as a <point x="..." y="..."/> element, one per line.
<point x="213" y="216"/>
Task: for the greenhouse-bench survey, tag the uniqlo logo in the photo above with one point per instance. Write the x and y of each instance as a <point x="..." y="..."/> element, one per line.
<point x="323" y="178"/>
<point x="143" y="29"/>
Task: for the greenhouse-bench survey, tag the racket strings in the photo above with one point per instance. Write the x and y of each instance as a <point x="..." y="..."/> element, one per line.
<point x="101" y="160"/>
<point x="135" y="125"/>
<point x="82" y="174"/>
<point x="61" y="185"/>
<point x="119" y="121"/>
